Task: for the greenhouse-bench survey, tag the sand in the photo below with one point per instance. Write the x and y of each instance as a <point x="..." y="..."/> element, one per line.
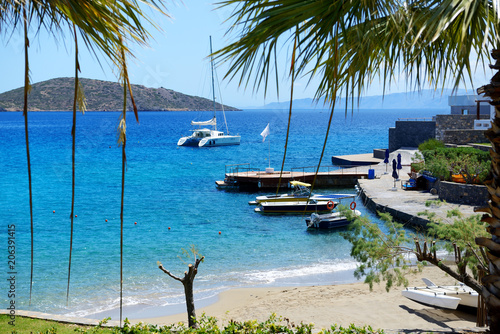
<point x="336" y="304"/>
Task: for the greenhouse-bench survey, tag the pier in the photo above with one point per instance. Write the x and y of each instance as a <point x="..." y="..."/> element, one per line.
<point x="243" y="177"/>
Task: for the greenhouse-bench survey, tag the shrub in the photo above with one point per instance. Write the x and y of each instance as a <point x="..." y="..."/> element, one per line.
<point x="472" y="164"/>
<point x="430" y="144"/>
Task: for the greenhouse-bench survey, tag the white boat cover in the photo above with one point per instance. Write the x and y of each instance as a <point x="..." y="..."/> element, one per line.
<point x="212" y="122"/>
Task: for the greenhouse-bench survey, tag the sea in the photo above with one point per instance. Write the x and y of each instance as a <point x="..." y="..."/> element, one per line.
<point x="171" y="207"/>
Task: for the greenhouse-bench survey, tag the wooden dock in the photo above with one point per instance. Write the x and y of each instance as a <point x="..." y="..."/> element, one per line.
<point x="243" y="178"/>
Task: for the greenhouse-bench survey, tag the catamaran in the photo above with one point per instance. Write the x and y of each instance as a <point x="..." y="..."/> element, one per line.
<point x="209" y="137"/>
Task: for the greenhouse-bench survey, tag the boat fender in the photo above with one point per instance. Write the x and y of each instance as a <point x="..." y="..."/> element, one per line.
<point x="329" y="205"/>
<point x="353" y="205"/>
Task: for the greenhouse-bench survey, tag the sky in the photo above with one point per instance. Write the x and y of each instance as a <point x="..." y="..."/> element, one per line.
<point x="176" y="59"/>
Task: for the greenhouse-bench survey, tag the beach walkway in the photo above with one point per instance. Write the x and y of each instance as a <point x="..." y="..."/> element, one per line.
<point x="385" y="195"/>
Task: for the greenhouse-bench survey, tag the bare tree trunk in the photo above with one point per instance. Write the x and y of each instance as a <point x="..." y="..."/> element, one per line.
<point x="188" y="291"/>
<point x="187" y="282"/>
<point x="491" y="281"/>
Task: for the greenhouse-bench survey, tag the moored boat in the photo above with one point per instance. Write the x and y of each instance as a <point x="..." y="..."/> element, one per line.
<point x="206" y="137"/>
<point x="328" y="220"/>
<point x="446" y="296"/>
<point x="296" y="207"/>
<point x="301" y="192"/>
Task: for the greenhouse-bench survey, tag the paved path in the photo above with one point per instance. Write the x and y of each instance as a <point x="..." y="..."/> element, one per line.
<point x="381" y="194"/>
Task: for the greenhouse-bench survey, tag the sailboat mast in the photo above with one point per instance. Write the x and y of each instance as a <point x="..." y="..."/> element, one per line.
<point x="213" y="83"/>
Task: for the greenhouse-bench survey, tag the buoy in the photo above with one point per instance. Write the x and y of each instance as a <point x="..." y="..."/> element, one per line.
<point x="135" y="223"/>
<point x="329" y="205"/>
<point x="76" y="216"/>
<point x="106" y="220"/>
<point x="53" y="211"/>
<point x="353" y="205"/>
<point x="169" y="228"/>
<point x="220" y="232"/>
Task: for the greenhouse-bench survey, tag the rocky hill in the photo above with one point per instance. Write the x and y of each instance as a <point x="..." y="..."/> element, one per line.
<point x="57" y="95"/>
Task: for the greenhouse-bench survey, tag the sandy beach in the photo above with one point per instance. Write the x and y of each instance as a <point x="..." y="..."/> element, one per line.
<point x="336" y="304"/>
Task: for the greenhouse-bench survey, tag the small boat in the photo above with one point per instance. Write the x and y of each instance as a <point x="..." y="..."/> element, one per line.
<point x="297" y="207"/>
<point x="205" y="137"/>
<point x="447" y="296"/>
<point x="301" y="192"/>
<point x="328" y="220"/>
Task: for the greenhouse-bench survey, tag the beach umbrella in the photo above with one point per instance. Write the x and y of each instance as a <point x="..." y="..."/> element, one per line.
<point x="394" y="173"/>
<point x="386" y="160"/>
<point x="399" y="162"/>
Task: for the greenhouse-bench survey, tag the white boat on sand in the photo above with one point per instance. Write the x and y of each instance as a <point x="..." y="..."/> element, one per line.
<point x="444" y="296"/>
<point x="210" y="137"/>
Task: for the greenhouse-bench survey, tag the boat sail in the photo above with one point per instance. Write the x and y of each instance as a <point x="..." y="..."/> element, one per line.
<point x="205" y="137"/>
<point x="211" y="122"/>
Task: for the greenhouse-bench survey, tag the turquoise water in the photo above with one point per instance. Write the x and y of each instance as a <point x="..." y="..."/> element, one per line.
<point x="171" y="202"/>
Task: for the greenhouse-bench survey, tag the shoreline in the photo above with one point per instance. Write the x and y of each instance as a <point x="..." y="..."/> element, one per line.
<point x="321" y="305"/>
<point x="325" y="305"/>
<point x="138" y="312"/>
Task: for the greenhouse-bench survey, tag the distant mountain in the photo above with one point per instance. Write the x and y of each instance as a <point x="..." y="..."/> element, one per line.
<point x="425" y="99"/>
<point x="57" y="95"/>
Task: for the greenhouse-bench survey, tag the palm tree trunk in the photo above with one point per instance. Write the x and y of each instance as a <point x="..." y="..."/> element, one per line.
<point x="73" y="135"/>
<point x="491" y="281"/>
<point x="25" y="114"/>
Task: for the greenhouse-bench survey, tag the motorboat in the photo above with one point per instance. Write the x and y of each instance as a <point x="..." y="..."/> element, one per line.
<point x="301" y="192"/>
<point x="328" y="220"/>
<point x="207" y="135"/>
<point x="444" y="296"/>
<point x="296" y="207"/>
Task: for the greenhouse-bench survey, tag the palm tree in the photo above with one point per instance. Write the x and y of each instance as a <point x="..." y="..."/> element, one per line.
<point x="106" y="27"/>
<point x="348" y="44"/>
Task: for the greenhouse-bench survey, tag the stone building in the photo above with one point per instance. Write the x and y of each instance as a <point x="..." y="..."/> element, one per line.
<point x="468" y="119"/>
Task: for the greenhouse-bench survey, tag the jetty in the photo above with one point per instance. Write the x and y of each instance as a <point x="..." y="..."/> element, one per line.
<point x="243" y="177"/>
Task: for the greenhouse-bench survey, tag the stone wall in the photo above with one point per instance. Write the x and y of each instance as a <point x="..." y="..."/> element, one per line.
<point x="410" y="134"/>
<point x="459" y="129"/>
<point x="462" y="137"/>
<point x="459" y="193"/>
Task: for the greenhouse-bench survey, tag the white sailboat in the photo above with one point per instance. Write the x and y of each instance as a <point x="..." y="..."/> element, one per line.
<point x="204" y="136"/>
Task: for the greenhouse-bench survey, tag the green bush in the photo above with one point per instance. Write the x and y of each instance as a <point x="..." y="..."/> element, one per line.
<point x="442" y="162"/>
<point x="430" y="144"/>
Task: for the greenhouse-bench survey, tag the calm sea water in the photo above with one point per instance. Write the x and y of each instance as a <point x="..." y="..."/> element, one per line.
<point x="171" y="203"/>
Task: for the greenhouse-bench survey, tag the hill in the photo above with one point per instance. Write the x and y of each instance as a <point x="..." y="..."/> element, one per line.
<point x="57" y="95"/>
<point x="425" y="99"/>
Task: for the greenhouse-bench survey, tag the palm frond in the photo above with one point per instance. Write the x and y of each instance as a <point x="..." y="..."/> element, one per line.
<point x="428" y="42"/>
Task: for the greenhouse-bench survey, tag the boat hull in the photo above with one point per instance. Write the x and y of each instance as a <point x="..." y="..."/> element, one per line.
<point x="448" y="297"/>
<point x="224" y="140"/>
<point x="328" y="221"/>
<point x="429" y="298"/>
<point x="297" y="198"/>
<point x="195" y="138"/>
<point x="295" y="207"/>
<point x="188" y="141"/>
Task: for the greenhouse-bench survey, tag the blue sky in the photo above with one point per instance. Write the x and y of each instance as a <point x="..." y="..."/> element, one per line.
<point x="176" y="59"/>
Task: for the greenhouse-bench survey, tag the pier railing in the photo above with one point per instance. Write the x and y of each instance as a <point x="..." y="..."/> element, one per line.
<point x="245" y="168"/>
<point x="346" y="169"/>
<point x="239" y="168"/>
